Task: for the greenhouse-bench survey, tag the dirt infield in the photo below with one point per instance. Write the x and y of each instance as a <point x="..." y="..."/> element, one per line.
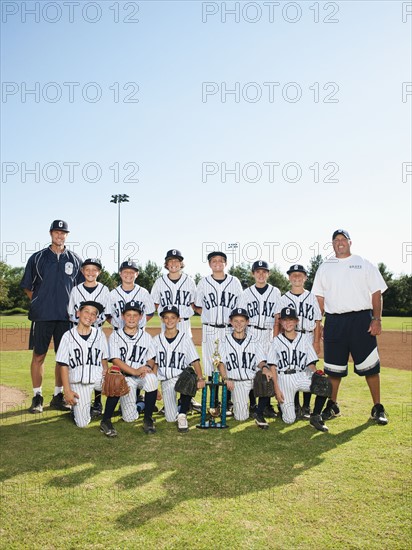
<point x="395" y="348"/>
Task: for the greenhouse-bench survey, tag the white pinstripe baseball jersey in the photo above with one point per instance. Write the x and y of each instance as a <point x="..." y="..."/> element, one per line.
<point x="241" y="358"/>
<point x="173" y="357"/>
<point x="80" y="293"/>
<point x="180" y="293"/>
<point x="297" y="354"/>
<point x="261" y="307"/>
<point x="133" y="350"/>
<point x="119" y="298"/>
<point x="217" y="298"/>
<point x="306" y="306"/>
<point x="83" y="357"/>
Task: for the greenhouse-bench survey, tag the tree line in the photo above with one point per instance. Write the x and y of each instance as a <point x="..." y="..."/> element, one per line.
<point x="397" y="299"/>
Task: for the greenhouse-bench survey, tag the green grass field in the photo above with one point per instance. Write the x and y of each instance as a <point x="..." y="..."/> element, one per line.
<point x="287" y="487"/>
<point x="21" y="321"/>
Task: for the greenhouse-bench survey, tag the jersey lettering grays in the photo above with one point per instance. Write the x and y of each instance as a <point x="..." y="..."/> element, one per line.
<point x="83" y="357"/>
<point x="241" y="358"/>
<point x="217" y="300"/>
<point x="173" y="357"/>
<point x="261" y="308"/>
<point x="119" y="298"/>
<point x="51" y="277"/>
<point x="133" y="350"/>
<point x="80" y="294"/>
<point x="180" y="294"/>
<point x="306" y="306"/>
<point x="296" y="355"/>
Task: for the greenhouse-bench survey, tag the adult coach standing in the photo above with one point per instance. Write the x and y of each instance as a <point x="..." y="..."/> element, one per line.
<point x="349" y="290"/>
<point x="48" y="279"/>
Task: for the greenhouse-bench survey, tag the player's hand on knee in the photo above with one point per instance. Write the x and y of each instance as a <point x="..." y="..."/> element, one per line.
<point x="71" y="397"/>
<point x="279" y="396"/>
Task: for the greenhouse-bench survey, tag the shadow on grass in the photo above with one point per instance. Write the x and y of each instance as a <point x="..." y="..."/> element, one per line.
<point x="200" y="465"/>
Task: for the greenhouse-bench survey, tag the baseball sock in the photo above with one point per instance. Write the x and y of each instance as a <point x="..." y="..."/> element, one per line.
<point x="97" y="397"/>
<point x="111" y="403"/>
<point x="185" y="401"/>
<point x="37" y="390"/>
<point x="297" y="403"/>
<point x="263" y="403"/>
<point x="306" y="398"/>
<point x="252" y="398"/>
<point x="319" y="402"/>
<point x="57" y="390"/>
<point x="149" y="403"/>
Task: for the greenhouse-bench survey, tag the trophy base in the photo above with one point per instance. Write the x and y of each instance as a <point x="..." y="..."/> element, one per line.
<point x="209" y="426"/>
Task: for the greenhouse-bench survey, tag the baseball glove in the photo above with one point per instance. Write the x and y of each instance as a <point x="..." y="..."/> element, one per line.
<point x="320" y="384"/>
<point x="187" y="382"/>
<point x="114" y="383"/>
<point x="262" y="387"/>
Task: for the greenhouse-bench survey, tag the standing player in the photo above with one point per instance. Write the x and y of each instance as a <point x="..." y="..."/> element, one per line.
<point x="82" y="359"/>
<point x="95" y="291"/>
<point x="349" y="289"/>
<point x="292" y="360"/>
<point x="261" y="302"/>
<point x="129" y="291"/>
<point x="216" y="296"/>
<point x="48" y="279"/>
<point x="241" y="356"/>
<point x="131" y="349"/>
<point x="91" y="289"/>
<point x="174" y="352"/>
<point x="175" y="289"/>
<point x="306" y="306"/>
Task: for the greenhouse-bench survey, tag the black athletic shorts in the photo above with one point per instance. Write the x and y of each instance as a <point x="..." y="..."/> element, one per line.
<point x="41" y="333"/>
<point x="347" y="333"/>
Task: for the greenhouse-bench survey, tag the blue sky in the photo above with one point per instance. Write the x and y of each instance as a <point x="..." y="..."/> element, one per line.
<point x="168" y="150"/>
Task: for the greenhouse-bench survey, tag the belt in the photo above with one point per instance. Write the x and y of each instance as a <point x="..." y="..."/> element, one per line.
<point x="303" y="331"/>
<point x="215" y="326"/>
<point x="289" y="371"/>
<point x="260" y="328"/>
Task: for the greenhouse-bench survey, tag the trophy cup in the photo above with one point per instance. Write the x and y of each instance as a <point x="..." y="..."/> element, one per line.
<point x="214" y="384"/>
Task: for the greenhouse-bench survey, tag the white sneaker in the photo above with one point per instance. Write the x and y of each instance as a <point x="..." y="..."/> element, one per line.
<point x="182" y="425"/>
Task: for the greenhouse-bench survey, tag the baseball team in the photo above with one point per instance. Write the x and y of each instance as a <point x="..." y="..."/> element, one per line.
<point x="255" y="329"/>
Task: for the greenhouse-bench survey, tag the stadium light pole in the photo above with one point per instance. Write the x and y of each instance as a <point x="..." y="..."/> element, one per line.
<point x="118" y="199"/>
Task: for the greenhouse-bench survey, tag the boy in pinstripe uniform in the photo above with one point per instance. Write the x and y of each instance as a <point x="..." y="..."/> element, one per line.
<point x="174" y="352"/>
<point x="82" y="358"/>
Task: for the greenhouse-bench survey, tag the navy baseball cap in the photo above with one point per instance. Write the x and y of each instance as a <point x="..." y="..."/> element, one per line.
<point x="216" y="253"/>
<point x="296" y="268"/>
<point x="288" y="313"/>
<point x="97" y="305"/>
<point x="340" y="232"/>
<point x="169" y="309"/>
<point x="93" y="261"/>
<point x="132" y="306"/>
<point x="239" y="311"/>
<point x="174" y="254"/>
<point x="59" y="225"/>
<point x="260" y="265"/>
<point x="128" y="265"/>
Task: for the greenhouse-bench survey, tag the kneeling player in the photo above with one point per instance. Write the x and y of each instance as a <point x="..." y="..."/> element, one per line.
<point x="174" y="352"/>
<point x="241" y="355"/>
<point x="290" y="354"/>
<point x="82" y="356"/>
<point x="131" y="349"/>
